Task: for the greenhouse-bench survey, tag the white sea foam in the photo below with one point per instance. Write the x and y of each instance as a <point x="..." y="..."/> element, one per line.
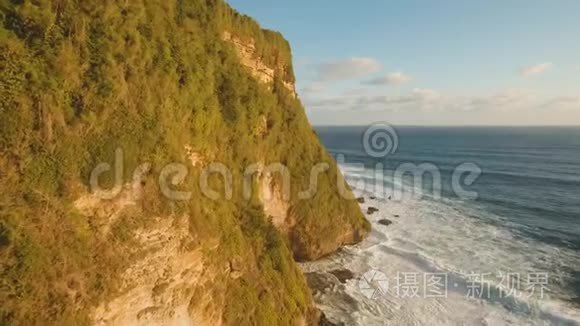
<point x="456" y="239"/>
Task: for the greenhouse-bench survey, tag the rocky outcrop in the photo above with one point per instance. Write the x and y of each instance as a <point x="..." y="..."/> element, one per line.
<point x="317" y="248"/>
<point x="385" y="222"/>
<point x="248" y="58"/>
<point x="343" y="275"/>
<point x="275" y="205"/>
<point x="158" y="286"/>
<point x="325" y="322"/>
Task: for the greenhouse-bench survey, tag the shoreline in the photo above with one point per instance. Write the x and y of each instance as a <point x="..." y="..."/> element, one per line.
<point x="337" y="276"/>
<point x="392" y="249"/>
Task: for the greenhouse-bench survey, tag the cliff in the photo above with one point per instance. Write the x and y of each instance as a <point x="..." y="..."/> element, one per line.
<point x="154" y="159"/>
<point x="247" y="54"/>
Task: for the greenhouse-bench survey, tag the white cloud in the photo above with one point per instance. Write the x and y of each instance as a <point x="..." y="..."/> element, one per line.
<point x="328" y="103"/>
<point x="355" y="92"/>
<point x="563" y="103"/>
<point x="508" y="104"/>
<point x="536" y="69"/>
<point x="416" y="99"/>
<point x="394" y="78"/>
<point x="430" y="107"/>
<point x="348" y="69"/>
<point x="427" y="94"/>
<point x="505" y="100"/>
<point x="384" y="100"/>
<point x="315" y="87"/>
<point x="422" y="99"/>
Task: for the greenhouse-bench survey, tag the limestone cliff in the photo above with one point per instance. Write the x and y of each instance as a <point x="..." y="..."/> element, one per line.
<point x="248" y="58"/>
<point x="155" y="161"/>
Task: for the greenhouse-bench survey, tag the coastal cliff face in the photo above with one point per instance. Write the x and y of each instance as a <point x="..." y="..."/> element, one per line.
<point x="152" y="89"/>
<point x="261" y="71"/>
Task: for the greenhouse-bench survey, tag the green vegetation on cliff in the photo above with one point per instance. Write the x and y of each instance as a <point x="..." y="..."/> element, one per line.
<point x="79" y="79"/>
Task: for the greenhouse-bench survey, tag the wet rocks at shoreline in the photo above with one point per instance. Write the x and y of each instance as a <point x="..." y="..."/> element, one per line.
<point x="342" y="275"/>
<point x="323" y="281"/>
<point x="385" y="222"/>
<point x="331" y="283"/>
<point x="325" y="322"/>
<point x="320" y="282"/>
<point x="371" y="210"/>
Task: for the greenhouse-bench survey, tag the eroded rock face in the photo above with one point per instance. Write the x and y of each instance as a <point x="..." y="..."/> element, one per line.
<point x="247" y="54"/>
<point x="322" y="246"/>
<point x="104" y="211"/>
<point x="275" y="201"/>
<point x="158" y="286"/>
<point x="196" y="158"/>
<point x="275" y="204"/>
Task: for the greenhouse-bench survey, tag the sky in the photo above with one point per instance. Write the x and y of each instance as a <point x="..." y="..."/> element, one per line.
<point x="415" y="62"/>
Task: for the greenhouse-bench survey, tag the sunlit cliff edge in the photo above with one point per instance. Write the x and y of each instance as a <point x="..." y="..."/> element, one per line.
<point x="188" y="82"/>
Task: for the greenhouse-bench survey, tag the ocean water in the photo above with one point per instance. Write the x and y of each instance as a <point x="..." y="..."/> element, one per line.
<point x="510" y="256"/>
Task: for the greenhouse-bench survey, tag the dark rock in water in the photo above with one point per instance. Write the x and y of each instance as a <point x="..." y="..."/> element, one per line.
<point x="361" y="200"/>
<point x="372" y="210"/>
<point x="343" y="275"/>
<point x="319" y="282"/>
<point x="323" y="282"/>
<point x="396" y="215"/>
<point x="325" y="322"/>
<point x="575" y="301"/>
<point x="389" y="197"/>
<point x="385" y="222"/>
<point x="373" y="197"/>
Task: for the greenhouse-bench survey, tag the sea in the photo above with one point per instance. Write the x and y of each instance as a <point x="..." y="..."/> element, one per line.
<point x="484" y="226"/>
